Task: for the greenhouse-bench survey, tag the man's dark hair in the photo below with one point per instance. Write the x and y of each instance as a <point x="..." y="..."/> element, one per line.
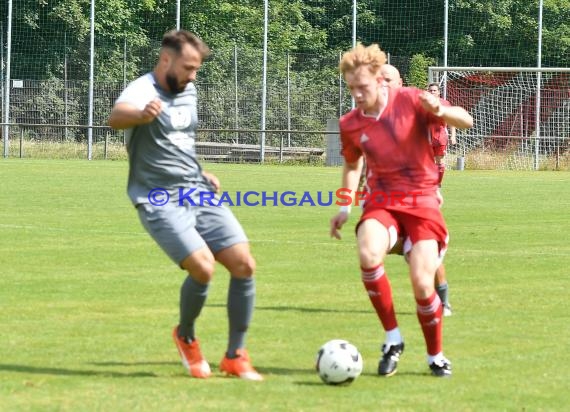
<point x="433" y="85"/>
<point x="175" y="39"/>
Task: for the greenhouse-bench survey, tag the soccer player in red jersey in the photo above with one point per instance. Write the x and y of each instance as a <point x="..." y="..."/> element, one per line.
<point x="389" y="127"/>
<point x="439" y="136"/>
<point x="439" y="141"/>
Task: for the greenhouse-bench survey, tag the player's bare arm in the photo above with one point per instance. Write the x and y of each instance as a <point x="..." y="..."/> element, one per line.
<point x="454" y="116"/>
<point x="213" y="179"/>
<point x="453" y="135"/>
<point x="125" y="115"/>
<point x="350" y="179"/>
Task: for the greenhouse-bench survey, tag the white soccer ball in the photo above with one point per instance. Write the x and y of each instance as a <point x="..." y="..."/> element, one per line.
<point x="339" y="362"/>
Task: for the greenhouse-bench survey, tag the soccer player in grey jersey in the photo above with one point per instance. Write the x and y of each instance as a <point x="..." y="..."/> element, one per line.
<point x="159" y="113"/>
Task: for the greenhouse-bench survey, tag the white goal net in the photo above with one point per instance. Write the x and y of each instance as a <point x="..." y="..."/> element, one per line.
<point x="521" y="116"/>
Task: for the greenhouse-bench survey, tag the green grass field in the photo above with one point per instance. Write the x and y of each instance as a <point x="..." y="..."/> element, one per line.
<point x="88" y="301"/>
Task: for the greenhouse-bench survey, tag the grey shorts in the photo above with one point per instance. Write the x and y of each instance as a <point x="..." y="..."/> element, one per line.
<point x="181" y="230"/>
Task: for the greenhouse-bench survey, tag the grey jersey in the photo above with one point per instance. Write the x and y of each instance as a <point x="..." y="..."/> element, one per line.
<point x="162" y="153"/>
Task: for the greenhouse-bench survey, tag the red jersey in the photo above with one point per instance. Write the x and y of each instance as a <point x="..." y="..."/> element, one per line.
<point x="439" y="135"/>
<point x="397" y="149"/>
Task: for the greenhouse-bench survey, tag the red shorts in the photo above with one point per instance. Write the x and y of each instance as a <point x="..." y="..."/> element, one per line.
<point x="411" y="224"/>
<point x="439" y="150"/>
<point x="439" y="141"/>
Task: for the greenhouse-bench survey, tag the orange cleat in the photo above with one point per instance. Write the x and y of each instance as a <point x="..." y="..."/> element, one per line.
<point x="191" y="356"/>
<point x="240" y="367"/>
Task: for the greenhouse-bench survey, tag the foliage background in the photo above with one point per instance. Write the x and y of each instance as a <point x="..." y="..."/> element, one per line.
<point x="50" y="54"/>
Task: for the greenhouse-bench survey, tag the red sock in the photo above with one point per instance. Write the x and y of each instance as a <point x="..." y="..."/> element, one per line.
<point x="440" y="172"/>
<point x="379" y="291"/>
<point x="429" y="314"/>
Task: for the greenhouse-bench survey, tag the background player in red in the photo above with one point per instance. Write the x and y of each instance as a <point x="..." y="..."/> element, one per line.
<point x="440" y="136"/>
<point x="389" y="128"/>
<point x="439" y="139"/>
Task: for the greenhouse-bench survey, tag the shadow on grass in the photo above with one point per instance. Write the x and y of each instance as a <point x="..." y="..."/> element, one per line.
<point x="163" y="363"/>
<point x="318" y="382"/>
<point x="263" y="370"/>
<point x="313" y="310"/>
<point x="284" y="371"/>
<point x="215" y="367"/>
<point x="309" y="310"/>
<point x="72" y="372"/>
<point x="296" y="309"/>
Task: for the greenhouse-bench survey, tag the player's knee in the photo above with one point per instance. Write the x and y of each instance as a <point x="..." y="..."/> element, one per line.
<point x="244" y="266"/>
<point x="423" y="285"/>
<point x="369" y="257"/>
<point x="440" y="276"/>
<point x="203" y="274"/>
<point x="201" y="271"/>
<point x="249" y="266"/>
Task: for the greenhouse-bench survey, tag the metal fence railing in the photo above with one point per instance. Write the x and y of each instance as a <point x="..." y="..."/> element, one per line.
<point x="29" y="140"/>
<point x="64" y="71"/>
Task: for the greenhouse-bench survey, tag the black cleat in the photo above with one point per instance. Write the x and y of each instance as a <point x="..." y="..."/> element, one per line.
<point x="388" y="365"/>
<point x="441" y="368"/>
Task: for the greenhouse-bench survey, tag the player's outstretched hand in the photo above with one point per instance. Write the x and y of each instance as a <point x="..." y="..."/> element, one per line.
<point x="429" y="102"/>
<point x="336" y="224"/>
<point x="151" y="111"/>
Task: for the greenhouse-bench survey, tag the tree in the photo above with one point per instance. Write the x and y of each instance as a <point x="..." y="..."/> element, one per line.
<point x="418" y="72"/>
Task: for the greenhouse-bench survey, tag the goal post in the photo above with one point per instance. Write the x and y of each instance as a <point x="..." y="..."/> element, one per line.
<point x="521" y="115"/>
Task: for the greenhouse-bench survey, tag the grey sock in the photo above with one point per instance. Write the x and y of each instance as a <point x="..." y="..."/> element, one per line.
<point x="442" y="291"/>
<point x="241" y="300"/>
<point x="192" y="298"/>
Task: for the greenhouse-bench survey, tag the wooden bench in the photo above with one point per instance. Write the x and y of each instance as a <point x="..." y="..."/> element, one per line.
<point x="233" y="152"/>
